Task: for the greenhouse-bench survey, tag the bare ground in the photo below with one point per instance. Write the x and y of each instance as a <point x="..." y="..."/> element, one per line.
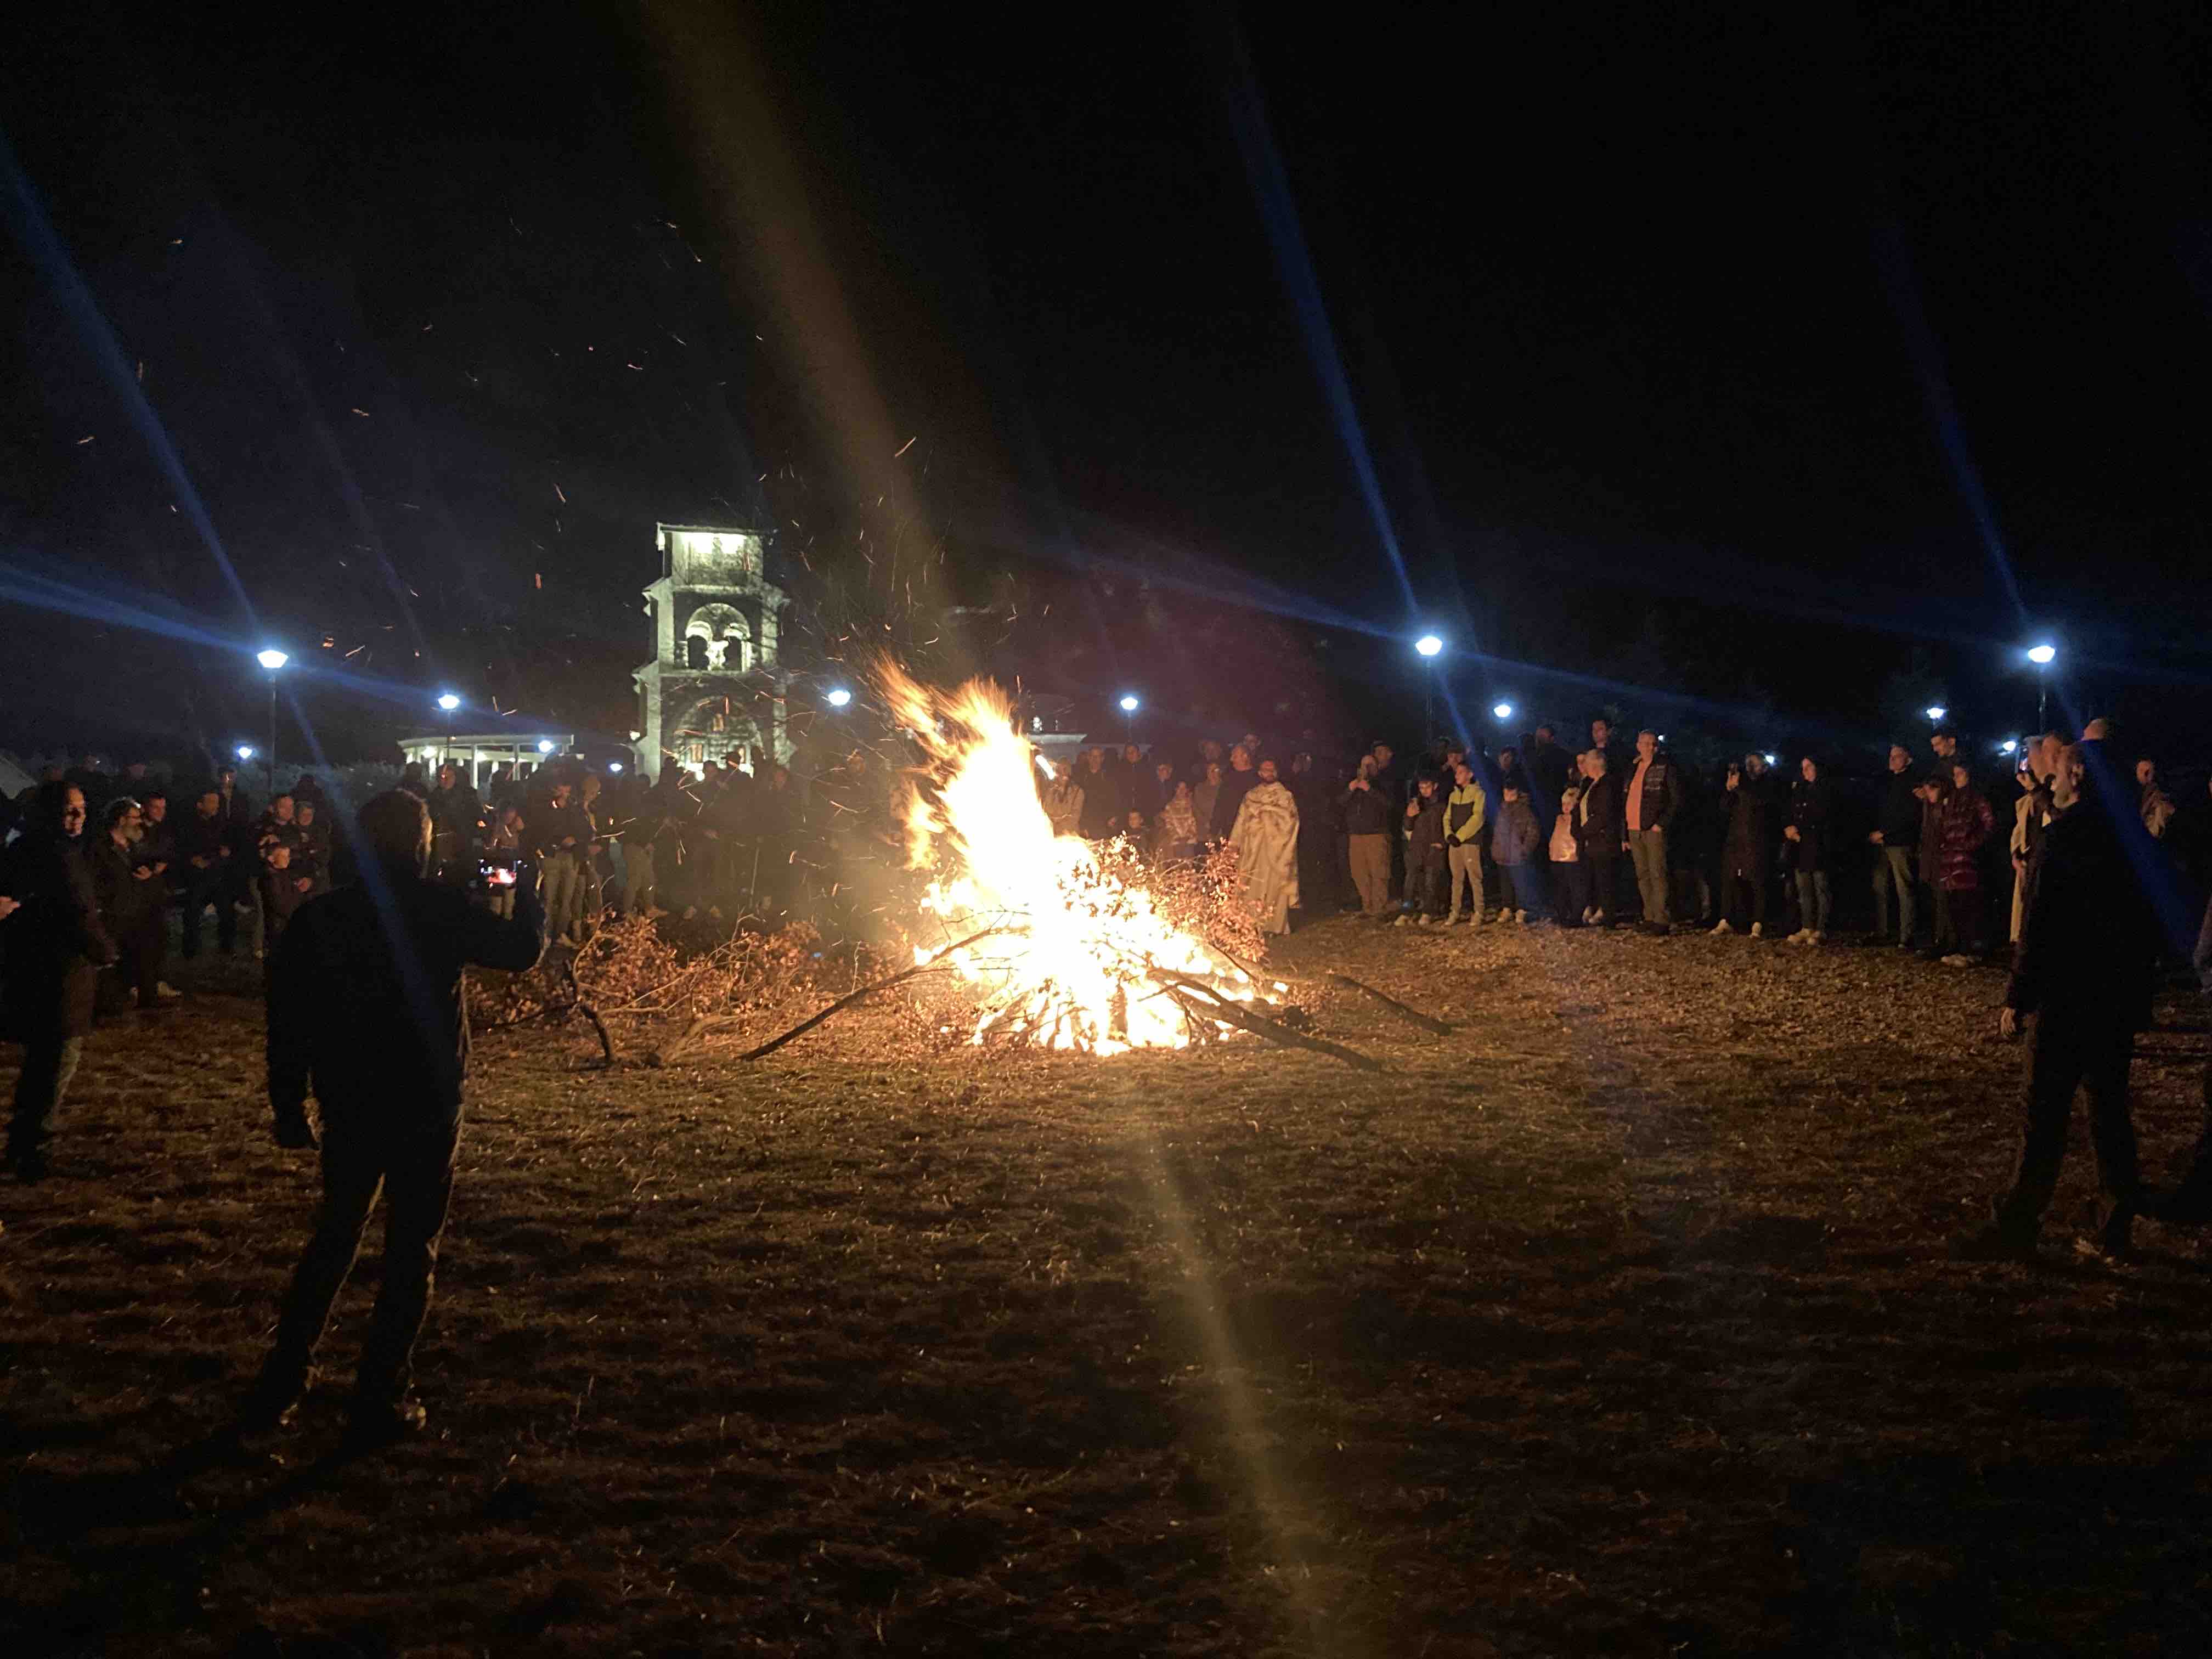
<point x="1616" y="1323"/>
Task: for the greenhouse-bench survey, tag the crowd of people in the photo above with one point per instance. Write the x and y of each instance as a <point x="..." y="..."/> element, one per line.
<point x="365" y="922"/>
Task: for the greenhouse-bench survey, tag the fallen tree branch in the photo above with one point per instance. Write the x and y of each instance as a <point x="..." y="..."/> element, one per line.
<point x="1260" y="1026"/>
<point x="1427" y="1022"/>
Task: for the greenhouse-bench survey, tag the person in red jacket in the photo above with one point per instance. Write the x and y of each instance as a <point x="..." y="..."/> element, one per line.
<point x="1965" y="824"/>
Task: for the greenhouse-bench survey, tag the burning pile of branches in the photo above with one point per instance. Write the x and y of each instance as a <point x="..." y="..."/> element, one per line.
<point x="1064" y="947"/>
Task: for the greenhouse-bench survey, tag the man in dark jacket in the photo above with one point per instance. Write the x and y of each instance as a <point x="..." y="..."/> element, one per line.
<point x="1236" y="782"/>
<point x="2085" y="972"/>
<point x="1101" y="796"/>
<point x="457" y="828"/>
<point x="56" y="948"/>
<point x="203" y="869"/>
<point x="1650" y="799"/>
<point x="365" y="1011"/>
<point x="1549" y="766"/>
<point x="1896" y="841"/>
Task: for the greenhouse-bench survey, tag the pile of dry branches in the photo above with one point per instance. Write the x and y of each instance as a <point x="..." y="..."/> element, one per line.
<point x="628" y="975"/>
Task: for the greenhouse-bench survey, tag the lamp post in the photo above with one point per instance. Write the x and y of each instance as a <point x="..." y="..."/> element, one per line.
<point x="272" y="660"/>
<point x="1430" y="646"/>
<point x="2042" y="655"/>
<point x="449" y="703"/>
<point x="1502" y="712"/>
<point x="1936" y="711"/>
<point x="1129" y="706"/>
<point x="839" y="696"/>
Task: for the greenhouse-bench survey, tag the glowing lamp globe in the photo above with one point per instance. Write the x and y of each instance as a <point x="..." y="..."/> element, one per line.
<point x="545" y="746"/>
<point x="1128" y="705"/>
<point x="1936" y="711"/>
<point x="245" y="751"/>
<point x="1428" y="645"/>
<point x="271" y="660"/>
<point x="840" y="697"/>
<point x="2041" y="655"/>
<point x="1504" y="711"/>
<point x="614" y="766"/>
<point x="449" y="703"/>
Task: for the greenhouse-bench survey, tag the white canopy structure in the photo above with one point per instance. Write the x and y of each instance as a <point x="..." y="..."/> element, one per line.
<point x="478" y="753"/>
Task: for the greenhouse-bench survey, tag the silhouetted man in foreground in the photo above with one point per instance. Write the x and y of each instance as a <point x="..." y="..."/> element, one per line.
<point x="365" y="1009"/>
<point x="2085" y="971"/>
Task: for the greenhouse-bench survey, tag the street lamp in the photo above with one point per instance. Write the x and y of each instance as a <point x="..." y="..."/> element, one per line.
<point x="272" y="660"/>
<point x="1504" y="711"/>
<point x="2009" y="746"/>
<point x="1430" y="645"/>
<point x="839" y="697"/>
<point x="614" y="766"/>
<point x="1129" y="705"/>
<point x="245" y="752"/>
<point x="545" y="746"/>
<point x="1936" y="711"/>
<point x="2043" y="655"/>
<point x="449" y="703"/>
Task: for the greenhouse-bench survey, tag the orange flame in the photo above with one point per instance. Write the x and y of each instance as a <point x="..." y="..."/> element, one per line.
<point x="1073" y="966"/>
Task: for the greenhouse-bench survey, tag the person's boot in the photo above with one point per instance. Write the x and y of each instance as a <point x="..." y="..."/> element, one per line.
<point x="374" y="1421"/>
<point x="273" y="1400"/>
<point x="1993" y="1241"/>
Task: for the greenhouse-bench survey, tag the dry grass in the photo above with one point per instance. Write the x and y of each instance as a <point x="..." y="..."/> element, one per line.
<point x="1616" y="1323"/>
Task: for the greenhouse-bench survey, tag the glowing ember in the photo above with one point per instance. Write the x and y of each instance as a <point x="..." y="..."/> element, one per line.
<point x="1077" y="959"/>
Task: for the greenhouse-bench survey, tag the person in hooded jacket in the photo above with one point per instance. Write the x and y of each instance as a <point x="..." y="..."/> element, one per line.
<point x="1366" y="809"/>
<point x="56" y="947"/>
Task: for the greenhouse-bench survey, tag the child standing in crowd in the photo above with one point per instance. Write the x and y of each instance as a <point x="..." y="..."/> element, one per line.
<point x="1175" y="834"/>
<point x="1513" y="844"/>
<point x="1425" y="854"/>
<point x="282" y="890"/>
<point x="1570" y="889"/>
<point x="1465" y="812"/>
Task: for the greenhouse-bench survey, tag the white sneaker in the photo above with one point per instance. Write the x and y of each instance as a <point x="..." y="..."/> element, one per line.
<point x="1816" y="938"/>
<point x="1404" y="921"/>
<point x="1425" y="921"/>
<point x="1587" y="914"/>
<point x="1958" y="959"/>
<point x="1597" y="919"/>
<point x="1758" y="930"/>
<point x="167" y="992"/>
<point x="1798" y="938"/>
<point x="1721" y="929"/>
<point x="1520" y="918"/>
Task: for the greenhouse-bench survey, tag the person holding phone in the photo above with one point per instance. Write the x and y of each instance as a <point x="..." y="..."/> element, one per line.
<point x="365" y="1012"/>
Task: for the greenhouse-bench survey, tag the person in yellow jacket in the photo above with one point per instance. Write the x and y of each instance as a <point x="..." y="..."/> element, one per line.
<point x="1465" y="810"/>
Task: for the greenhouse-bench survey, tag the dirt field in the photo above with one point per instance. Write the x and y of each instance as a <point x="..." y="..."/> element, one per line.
<point x="1616" y="1321"/>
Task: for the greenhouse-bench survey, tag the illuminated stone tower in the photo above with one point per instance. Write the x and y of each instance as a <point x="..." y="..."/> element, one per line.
<point x="715" y="685"/>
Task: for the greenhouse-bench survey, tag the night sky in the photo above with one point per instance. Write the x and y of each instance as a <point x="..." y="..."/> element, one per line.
<point x="1793" y="374"/>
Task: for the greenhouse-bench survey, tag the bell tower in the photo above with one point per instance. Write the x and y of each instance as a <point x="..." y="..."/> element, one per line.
<point x="714" y="688"/>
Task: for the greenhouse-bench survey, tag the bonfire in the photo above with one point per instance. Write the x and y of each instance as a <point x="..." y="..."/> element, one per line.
<point x="1065" y="949"/>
